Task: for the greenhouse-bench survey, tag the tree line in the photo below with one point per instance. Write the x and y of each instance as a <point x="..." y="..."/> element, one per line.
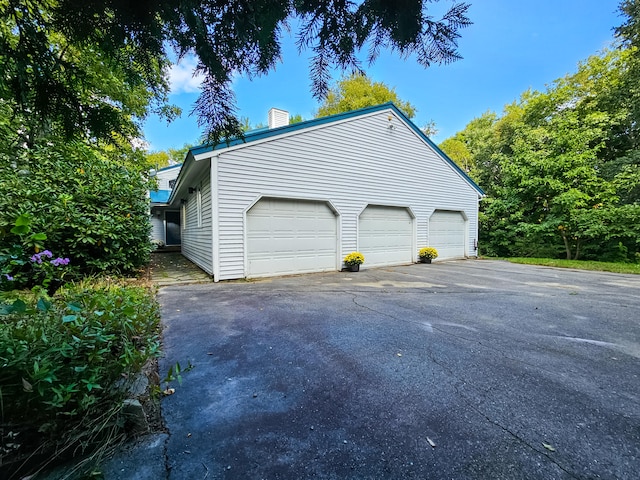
<point x="561" y="167"/>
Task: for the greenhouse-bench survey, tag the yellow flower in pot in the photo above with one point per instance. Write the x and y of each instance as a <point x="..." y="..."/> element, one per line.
<point x="353" y="261"/>
<point x="427" y="254"/>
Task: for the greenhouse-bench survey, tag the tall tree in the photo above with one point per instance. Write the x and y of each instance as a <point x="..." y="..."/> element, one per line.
<point x="296" y="118"/>
<point x="85" y="86"/>
<point x="69" y="115"/>
<point x="627" y="94"/>
<point x="164" y="158"/>
<point x="457" y="150"/>
<point x="358" y="91"/>
<point x="228" y="38"/>
<point x="558" y="167"/>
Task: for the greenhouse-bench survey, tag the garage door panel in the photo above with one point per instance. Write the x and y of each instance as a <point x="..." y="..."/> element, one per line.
<point x="447" y="233"/>
<point x="385" y="235"/>
<point x="290" y="236"/>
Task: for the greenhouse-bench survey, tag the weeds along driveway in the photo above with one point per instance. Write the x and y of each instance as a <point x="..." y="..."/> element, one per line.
<point x="470" y="369"/>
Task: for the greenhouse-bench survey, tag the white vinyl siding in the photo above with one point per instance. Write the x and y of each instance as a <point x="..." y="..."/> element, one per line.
<point x="157" y="225"/>
<point x="290" y="236"/>
<point x="385" y="236"/>
<point x="165" y="175"/>
<point x="196" y="240"/>
<point x="199" y="205"/>
<point x="447" y="232"/>
<point x="353" y="164"/>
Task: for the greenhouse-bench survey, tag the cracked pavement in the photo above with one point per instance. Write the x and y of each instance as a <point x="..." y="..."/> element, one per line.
<point x="461" y="370"/>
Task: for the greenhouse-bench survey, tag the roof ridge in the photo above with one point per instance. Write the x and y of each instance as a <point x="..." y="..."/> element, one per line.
<point x="263" y="134"/>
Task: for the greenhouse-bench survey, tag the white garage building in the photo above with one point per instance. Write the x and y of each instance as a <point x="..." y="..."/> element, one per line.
<point x="297" y="198"/>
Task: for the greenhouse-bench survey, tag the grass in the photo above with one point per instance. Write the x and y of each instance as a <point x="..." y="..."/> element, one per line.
<point x="633" y="268"/>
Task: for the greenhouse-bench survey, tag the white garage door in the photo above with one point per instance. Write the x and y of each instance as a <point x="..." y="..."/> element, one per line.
<point x="385" y="235"/>
<point x="446" y="233"/>
<point x="290" y="236"/>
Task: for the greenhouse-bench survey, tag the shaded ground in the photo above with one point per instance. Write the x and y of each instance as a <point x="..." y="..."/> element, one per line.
<point x="171" y="268"/>
<point x="476" y="369"/>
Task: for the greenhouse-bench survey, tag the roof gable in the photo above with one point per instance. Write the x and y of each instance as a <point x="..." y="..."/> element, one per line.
<point x="264" y="134"/>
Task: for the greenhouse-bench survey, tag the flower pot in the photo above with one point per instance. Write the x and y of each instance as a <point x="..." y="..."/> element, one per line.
<point x="425" y="260"/>
<point x="353" y="268"/>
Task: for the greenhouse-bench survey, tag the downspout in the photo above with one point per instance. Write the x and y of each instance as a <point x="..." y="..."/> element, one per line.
<point x="476" y="242"/>
<point x="215" y="225"/>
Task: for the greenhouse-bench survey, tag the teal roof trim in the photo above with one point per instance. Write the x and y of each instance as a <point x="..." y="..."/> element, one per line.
<point x="264" y="134"/>
<point x="261" y="134"/>
<point x="177" y="165"/>
<point x="420" y="133"/>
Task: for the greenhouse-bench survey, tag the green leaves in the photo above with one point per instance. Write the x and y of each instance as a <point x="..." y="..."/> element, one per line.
<point x="43" y="305"/>
<point x="17" y="307"/>
<point x="22" y="224"/>
<point x="559" y="166"/>
<point x="358" y="91"/>
<point x="80" y="83"/>
<point x="91" y="69"/>
<point x="84" y="202"/>
<point x="59" y="355"/>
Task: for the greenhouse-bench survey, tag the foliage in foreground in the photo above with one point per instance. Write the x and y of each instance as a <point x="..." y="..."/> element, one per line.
<point x="62" y="358"/>
<point x="580" y="264"/>
<point x="88" y="200"/>
<point x="82" y="64"/>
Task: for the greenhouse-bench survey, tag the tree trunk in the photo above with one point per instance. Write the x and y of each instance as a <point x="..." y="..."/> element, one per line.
<point x="577" y="255"/>
<point x="567" y="246"/>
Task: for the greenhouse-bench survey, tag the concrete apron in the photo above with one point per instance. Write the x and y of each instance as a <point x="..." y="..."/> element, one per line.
<point x="172" y="268"/>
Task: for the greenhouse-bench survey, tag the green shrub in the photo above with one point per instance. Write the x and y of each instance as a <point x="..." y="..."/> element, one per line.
<point x="20" y="269"/>
<point x="89" y="201"/>
<point x="62" y="358"/>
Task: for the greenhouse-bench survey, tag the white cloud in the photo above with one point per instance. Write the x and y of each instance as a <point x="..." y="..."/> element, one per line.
<point x="182" y="78"/>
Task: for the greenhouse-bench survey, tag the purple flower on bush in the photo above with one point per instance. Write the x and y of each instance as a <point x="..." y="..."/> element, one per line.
<point x="37" y="258"/>
<point x="8" y="277"/>
<point x="56" y="262"/>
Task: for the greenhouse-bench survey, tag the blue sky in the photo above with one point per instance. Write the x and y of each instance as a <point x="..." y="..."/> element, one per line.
<point x="512" y="46"/>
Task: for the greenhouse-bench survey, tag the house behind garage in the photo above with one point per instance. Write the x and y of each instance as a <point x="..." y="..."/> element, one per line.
<point x="165" y="220"/>
<point x="297" y="198"/>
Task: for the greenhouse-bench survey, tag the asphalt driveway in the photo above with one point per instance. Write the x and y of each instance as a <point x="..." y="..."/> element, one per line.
<point x="455" y="370"/>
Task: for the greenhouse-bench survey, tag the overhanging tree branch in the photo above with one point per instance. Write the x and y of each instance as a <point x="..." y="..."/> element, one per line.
<point x="229" y="37"/>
